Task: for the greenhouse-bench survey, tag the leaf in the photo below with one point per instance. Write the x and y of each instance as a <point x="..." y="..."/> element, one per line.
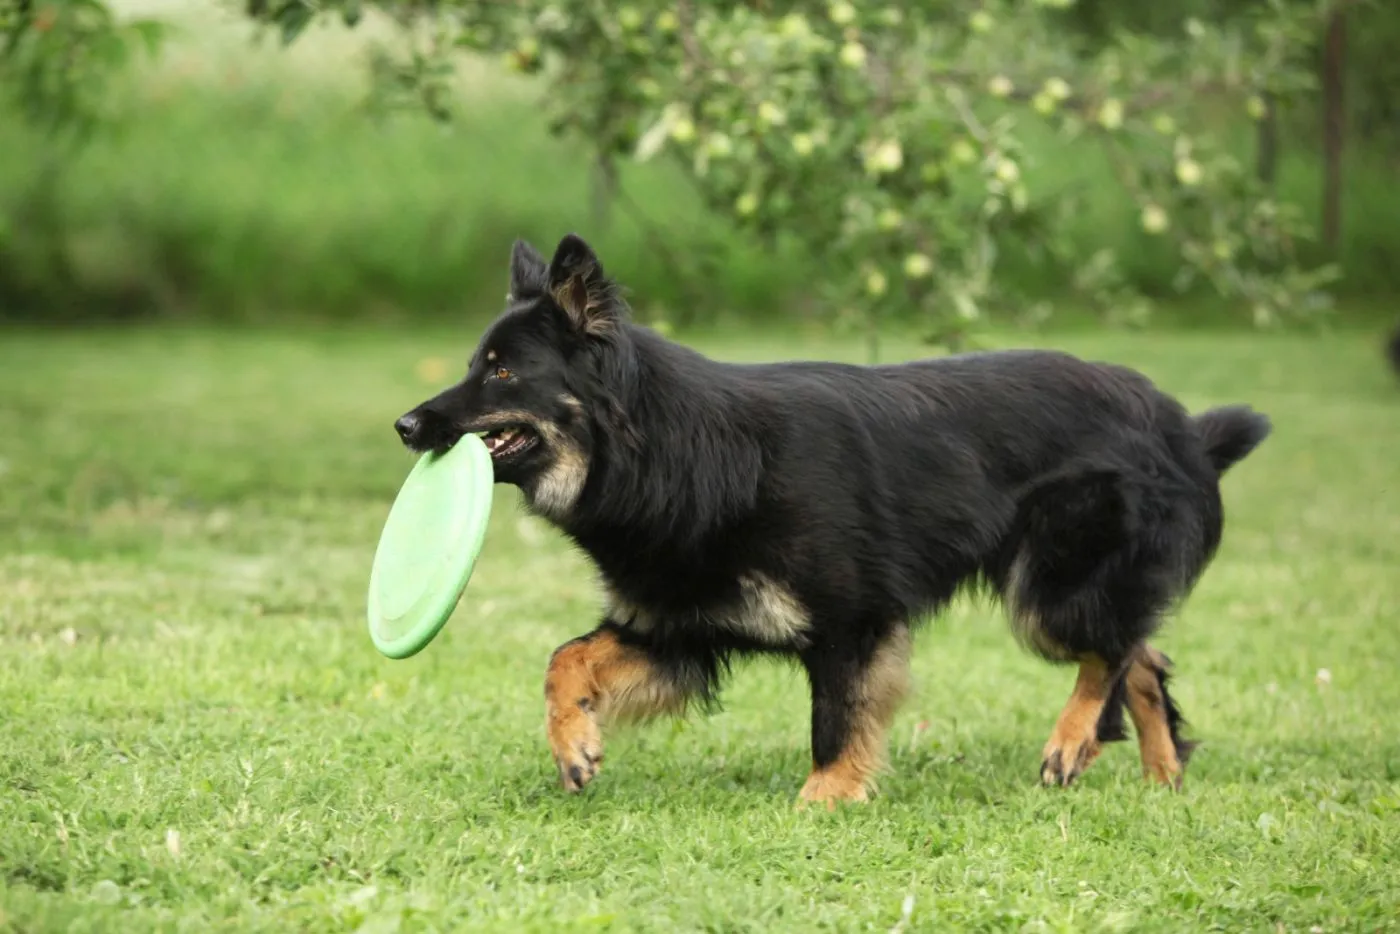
<point x="95" y="7"/>
<point x="651" y="141"/>
<point x="293" y="20"/>
<point x="110" y="50"/>
<point x="151" y="33"/>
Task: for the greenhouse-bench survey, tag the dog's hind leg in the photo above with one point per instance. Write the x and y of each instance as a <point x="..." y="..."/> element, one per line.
<point x="855" y="693"/>
<point x="1075" y="742"/>
<point x="1156" y="718"/>
<point x="600" y="678"/>
<point x="1087" y="584"/>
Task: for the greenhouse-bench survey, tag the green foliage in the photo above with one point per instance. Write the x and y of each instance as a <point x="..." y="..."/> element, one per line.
<point x="890" y="141"/>
<point x="58" y="63"/>
<point x="58" y="60"/>
<point x="1372" y="68"/>
<point x="237" y="182"/>
<point x="246" y="192"/>
<point x="257" y="196"/>
<point x="1373" y="71"/>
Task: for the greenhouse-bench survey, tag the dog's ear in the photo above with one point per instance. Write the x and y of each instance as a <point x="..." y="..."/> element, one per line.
<point x="579" y="286"/>
<point x="529" y="275"/>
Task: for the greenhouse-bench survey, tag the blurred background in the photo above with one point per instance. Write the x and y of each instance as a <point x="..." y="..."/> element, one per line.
<point x="1100" y="162"/>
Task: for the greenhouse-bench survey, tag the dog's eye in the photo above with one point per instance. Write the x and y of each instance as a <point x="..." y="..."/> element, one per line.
<point x="503" y="373"/>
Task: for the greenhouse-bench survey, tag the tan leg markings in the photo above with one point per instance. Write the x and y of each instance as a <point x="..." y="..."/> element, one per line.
<point x="1074" y="743"/>
<point x="1147" y="706"/>
<point x="877" y="696"/>
<point x="846" y="779"/>
<point x="591" y="682"/>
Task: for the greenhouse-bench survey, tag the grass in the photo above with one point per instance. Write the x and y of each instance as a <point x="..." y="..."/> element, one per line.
<point x="243" y="182"/>
<point x="199" y="736"/>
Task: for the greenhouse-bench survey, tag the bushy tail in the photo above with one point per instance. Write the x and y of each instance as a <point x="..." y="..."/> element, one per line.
<point x="1230" y="432"/>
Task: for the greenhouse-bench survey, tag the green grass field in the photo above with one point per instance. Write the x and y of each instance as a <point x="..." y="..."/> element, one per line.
<point x="198" y="735"/>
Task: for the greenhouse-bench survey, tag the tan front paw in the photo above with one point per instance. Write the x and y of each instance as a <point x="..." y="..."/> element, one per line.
<point x="577" y="745"/>
<point x="830" y="785"/>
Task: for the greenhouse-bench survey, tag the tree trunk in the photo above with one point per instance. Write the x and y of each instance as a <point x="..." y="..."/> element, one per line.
<point x="1267" y="166"/>
<point x="604" y="190"/>
<point x="1334" y="122"/>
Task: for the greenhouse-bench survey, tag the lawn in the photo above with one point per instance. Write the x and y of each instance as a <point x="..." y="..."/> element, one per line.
<point x="198" y="735"/>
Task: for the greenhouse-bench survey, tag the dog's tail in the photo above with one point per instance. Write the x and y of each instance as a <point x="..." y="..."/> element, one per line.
<point x="1230" y="433"/>
<point x="1393" y="350"/>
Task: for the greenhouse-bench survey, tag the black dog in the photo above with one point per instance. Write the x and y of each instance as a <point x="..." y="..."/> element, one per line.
<point x="819" y="510"/>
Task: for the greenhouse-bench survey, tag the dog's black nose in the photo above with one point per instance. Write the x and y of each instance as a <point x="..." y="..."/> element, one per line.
<point x="407" y="426"/>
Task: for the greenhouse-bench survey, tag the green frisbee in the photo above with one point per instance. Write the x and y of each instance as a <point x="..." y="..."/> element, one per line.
<point x="429" y="546"/>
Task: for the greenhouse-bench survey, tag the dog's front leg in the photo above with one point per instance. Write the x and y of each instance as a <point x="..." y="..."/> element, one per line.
<point x="855" y="694"/>
<point x="591" y="681"/>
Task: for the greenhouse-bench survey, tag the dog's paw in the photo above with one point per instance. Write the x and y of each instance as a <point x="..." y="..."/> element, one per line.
<point x="1164" y="761"/>
<point x="1163" y="770"/>
<point x="830" y="787"/>
<point x="577" y="746"/>
<point x="1066" y="757"/>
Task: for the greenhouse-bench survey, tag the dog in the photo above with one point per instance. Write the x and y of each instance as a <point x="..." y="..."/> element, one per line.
<point x="820" y="511"/>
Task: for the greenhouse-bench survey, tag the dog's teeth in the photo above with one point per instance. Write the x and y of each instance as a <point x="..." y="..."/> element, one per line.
<point x="502" y="439"/>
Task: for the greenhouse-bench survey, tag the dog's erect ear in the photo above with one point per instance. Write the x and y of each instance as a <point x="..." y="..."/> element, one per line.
<point x="579" y="286"/>
<point x="529" y="275"/>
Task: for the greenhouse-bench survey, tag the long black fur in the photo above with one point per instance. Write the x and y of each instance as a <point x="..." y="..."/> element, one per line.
<point x="1175" y="721"/>
<point x="1080" y="492"/>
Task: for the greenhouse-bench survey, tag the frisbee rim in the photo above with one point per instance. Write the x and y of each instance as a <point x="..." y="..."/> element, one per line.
<point x="434" y="606"/>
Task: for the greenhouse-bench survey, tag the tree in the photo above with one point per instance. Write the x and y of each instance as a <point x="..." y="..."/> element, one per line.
<point x="894" y="141"/>
<point x="58" y="62"/>
<point x="1334" y="58"/>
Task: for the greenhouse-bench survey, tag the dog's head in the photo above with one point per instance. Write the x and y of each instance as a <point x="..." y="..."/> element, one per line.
<point x="533" y="386"/>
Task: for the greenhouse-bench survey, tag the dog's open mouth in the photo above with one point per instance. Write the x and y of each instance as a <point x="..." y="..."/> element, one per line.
<point x="510" y="441"/>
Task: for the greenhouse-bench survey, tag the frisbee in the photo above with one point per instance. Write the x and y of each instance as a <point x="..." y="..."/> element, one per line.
<point x="429" y="545"/>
